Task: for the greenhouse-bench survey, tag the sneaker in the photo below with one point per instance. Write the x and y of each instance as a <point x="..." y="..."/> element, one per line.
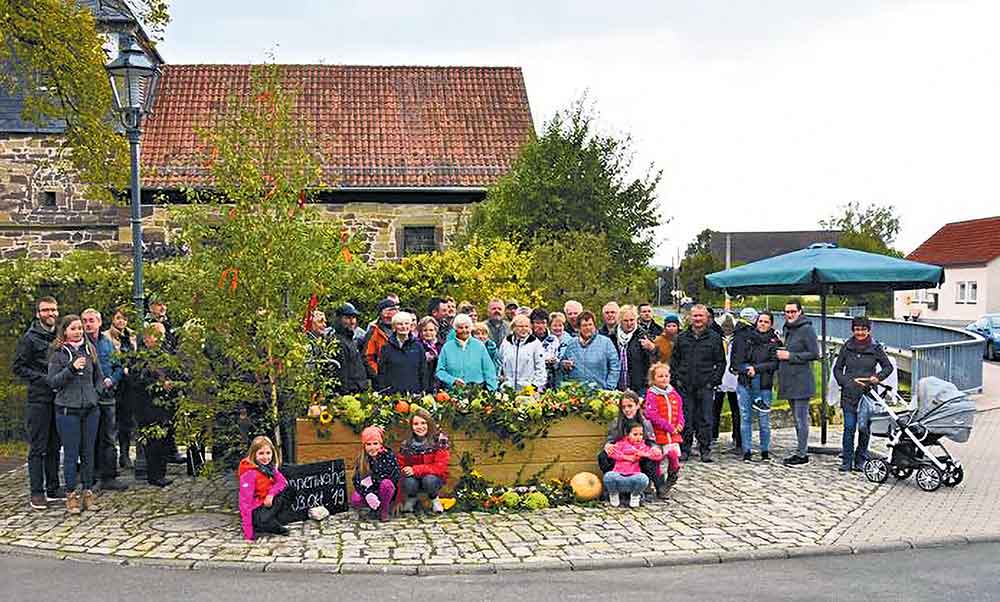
<point x="633" y="500"/>
<point x="437" y="506"/>
<point x="38" y="502"/>
<point x="844" y="468"/>
<point x="764" y="407"/>
<point x="318" y="513"/>
<point x="706" y="456"/>
<point x="279" y="530"/>
<point x="671" y="480"/>
<point x="113" y="485"/>
<point x="748" y="456"/>
<point x="410" y="504"/>
<point x="614" y="498"/>
<point x="55" y="496"/>
<point x="765" y="456"/>
<point x="73" y="502"/>
<point x="857" y="468"/>
<point x="795" y="460"/>
<point x="90" y="501"/>
<point x="160" y="482"/>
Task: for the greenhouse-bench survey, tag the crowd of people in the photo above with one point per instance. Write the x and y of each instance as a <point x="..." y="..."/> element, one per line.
<point x="84" y="400"/>
<point x="673" y="383"/>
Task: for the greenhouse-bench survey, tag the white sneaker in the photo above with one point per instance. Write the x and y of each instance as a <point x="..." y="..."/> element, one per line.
<point x="318" y="513"/>
<point x="615" y="499"/>
<point x="633" y="501"/>
<point x="437" y="506"/>
<point x="410" y="504"/>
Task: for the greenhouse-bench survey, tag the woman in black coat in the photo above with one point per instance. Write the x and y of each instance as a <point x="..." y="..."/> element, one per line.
<point x="855" y="370"/>
<point x="402" y="366"/>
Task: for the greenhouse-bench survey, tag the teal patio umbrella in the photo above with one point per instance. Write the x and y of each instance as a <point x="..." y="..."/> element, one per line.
<point x="826" y="269"/>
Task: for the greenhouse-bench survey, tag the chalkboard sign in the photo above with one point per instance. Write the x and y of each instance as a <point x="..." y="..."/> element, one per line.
<point x="317" y="484"/>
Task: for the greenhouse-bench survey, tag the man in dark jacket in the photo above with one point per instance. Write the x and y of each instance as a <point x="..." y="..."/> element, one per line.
<point x="352" y="374"/>
<point x="796" y="381"/>
<point x="855" y="365"/>
<point x="646" y="321"/>
<point x="402" y="364"/>
<point x="696" y="367"/>
<point x="31" y="363"/>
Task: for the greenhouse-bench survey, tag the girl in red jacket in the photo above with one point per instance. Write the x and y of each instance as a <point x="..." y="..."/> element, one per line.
<point x="665" y="409"/>
<point x="423" y="459"/>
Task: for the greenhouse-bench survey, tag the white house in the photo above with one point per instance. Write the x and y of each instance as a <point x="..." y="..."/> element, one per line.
<point x="969" y="252"/>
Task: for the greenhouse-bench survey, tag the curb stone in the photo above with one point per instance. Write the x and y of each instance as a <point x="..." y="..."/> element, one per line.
<point x="583" y="564"/>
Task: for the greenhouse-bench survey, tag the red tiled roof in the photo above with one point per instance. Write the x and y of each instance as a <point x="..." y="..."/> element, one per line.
<point x="973" y="242"/>
<point x="385" y="126"/>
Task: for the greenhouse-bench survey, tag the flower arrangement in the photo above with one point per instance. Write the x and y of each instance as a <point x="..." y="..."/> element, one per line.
<point x="505" y="415"/>
<point x="474" y="492"/>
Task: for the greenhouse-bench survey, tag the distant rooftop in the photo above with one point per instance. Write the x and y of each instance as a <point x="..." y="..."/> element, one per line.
<point x="971" y="242"/>
<point x="747" y="247"/>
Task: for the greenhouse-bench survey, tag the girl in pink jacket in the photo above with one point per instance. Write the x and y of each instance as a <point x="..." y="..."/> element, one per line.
<point x="262" y="507"/>
<point x="665" y="410"/>
<point x="627" y="477"/>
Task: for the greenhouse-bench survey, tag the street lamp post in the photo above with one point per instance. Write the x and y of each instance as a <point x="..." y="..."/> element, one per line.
<point x="133" y="80"/>
<point x="133" y="84"/>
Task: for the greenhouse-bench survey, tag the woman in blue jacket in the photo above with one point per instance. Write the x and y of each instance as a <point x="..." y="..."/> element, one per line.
<point x="591" y="357"/>
<point x="464" y="360"/>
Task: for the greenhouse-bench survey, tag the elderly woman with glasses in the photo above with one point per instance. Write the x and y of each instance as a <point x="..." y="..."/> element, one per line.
<point x="854" y="370"/>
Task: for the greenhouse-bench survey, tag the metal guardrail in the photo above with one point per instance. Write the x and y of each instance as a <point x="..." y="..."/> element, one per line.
<point x="951" y="354"/>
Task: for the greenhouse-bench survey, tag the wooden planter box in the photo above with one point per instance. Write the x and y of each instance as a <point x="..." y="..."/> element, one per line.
<point x="574" y="441"/>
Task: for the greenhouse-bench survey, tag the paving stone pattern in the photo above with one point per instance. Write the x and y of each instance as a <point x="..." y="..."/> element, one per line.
<point x="727" y="506"/>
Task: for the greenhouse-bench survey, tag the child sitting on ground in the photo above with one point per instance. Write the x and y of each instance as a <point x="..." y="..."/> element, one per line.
<point x="626" y="477"/>
<point x="263" y="497"/>
<point x="665" y="410"/>
<point x="629" y="410"/>
<point x="424" y="461"/>
<point x="375" y="475"/>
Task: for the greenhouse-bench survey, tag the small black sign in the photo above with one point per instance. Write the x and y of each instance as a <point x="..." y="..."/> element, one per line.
<point x="317" y="484"/>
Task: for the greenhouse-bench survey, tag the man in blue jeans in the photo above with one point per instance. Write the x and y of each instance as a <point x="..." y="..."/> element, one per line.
<point x="755" y="361"/>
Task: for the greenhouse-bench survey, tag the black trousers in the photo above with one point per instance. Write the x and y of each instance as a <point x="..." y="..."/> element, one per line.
<point x="157" y="451"/>
<point x="734" y="411"/>
<point x="125" y="420"/>
<point x="43" y="450"/>
<point x="647" y="466"/>
<point x="698" y="405"/>
<point x="266" y="520"/>
<point x="107" y="444"/>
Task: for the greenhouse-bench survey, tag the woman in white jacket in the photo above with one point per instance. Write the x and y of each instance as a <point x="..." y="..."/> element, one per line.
<point x="522" y="358"/>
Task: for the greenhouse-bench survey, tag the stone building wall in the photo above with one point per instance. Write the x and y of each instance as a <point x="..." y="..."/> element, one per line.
<point x="43" y="212"/>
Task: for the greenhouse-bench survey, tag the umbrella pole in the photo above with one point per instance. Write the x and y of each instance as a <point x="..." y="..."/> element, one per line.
<point x="823" y="369"/>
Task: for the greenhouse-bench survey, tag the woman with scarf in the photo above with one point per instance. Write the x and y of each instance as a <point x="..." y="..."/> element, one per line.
<point x="427" y="331"/>
<point x="854" y="371"/>
<point x="635" y="351"/>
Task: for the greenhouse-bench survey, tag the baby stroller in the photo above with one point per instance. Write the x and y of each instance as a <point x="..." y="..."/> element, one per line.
<point x="915" y="434"/>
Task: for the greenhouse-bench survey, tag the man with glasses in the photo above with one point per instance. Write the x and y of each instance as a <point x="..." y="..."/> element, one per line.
<point x="796" y="382"/>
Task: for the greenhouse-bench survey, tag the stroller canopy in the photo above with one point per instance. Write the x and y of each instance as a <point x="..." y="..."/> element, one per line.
<point x="944" y="410"/>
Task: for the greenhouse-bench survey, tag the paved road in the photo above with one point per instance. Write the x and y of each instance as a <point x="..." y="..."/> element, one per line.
<point x="957" y="573"/>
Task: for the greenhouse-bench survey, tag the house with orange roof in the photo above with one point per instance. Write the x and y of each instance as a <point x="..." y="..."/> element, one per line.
<point x="969" y="252"/>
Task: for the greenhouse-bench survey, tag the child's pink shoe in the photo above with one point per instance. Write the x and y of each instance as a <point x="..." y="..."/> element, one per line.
<point x="373" y="502"/>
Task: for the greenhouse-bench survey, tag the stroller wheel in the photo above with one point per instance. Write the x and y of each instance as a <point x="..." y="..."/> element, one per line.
<point x="929" y="478"/>
<point x="953" y="475"/>
<point x="901" y="472"/>
<point x="876" y="470"/>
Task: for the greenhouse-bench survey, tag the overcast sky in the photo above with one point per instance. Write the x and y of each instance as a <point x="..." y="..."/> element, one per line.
<point x="762" y="114"/>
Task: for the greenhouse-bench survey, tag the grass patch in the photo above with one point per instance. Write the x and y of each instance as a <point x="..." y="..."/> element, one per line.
<point x="17" y="449"/>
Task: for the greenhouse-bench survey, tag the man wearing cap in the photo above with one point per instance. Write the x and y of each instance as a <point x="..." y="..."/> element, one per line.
<point x="380" y="331"/>
<point x="351" y="375"/>
<point x="665" y="342"/>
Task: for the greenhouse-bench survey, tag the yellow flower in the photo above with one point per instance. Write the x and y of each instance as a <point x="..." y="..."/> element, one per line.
<point x="325" y="418"/>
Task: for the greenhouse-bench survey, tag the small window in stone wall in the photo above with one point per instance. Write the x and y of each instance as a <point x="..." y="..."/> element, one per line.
<point x="419" y="239"/>
<point x="48" y="198"/>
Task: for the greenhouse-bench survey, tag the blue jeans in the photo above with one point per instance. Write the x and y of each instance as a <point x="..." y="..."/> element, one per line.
<point x="429" y="484"/>
<point x="848" y="452"/>
<point x="79" y="437"/>
<point x="615" y="482"/>
<point x="746" y="396"/>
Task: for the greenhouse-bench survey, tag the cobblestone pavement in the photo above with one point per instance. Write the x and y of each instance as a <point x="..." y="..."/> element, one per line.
<point x="900" y="510"/>
<point x="724" y="507"/>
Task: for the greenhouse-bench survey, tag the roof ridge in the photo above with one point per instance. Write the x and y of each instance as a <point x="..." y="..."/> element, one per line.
<point x="970" y="221"/>
<point x="346" y="66"/>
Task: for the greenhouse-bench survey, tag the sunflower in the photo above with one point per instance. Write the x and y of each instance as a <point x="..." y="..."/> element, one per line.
<point x="325" y="417"/>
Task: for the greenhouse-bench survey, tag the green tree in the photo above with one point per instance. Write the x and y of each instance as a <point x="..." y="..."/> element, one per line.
<point x="258" y="251"/>
<point x="53" y="55"/>
<point x="573" y="180"/>
<point x="697" y="262"/>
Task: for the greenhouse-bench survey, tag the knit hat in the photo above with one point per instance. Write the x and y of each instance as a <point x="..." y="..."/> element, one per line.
<point x="672" y="319"/>
<point x="372" y="434"/>
<point x="749" y="314"/>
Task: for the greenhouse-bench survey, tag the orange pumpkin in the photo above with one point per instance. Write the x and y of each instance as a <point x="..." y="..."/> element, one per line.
<point x="586" y="486"/>
<point x="402" y="407"/>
